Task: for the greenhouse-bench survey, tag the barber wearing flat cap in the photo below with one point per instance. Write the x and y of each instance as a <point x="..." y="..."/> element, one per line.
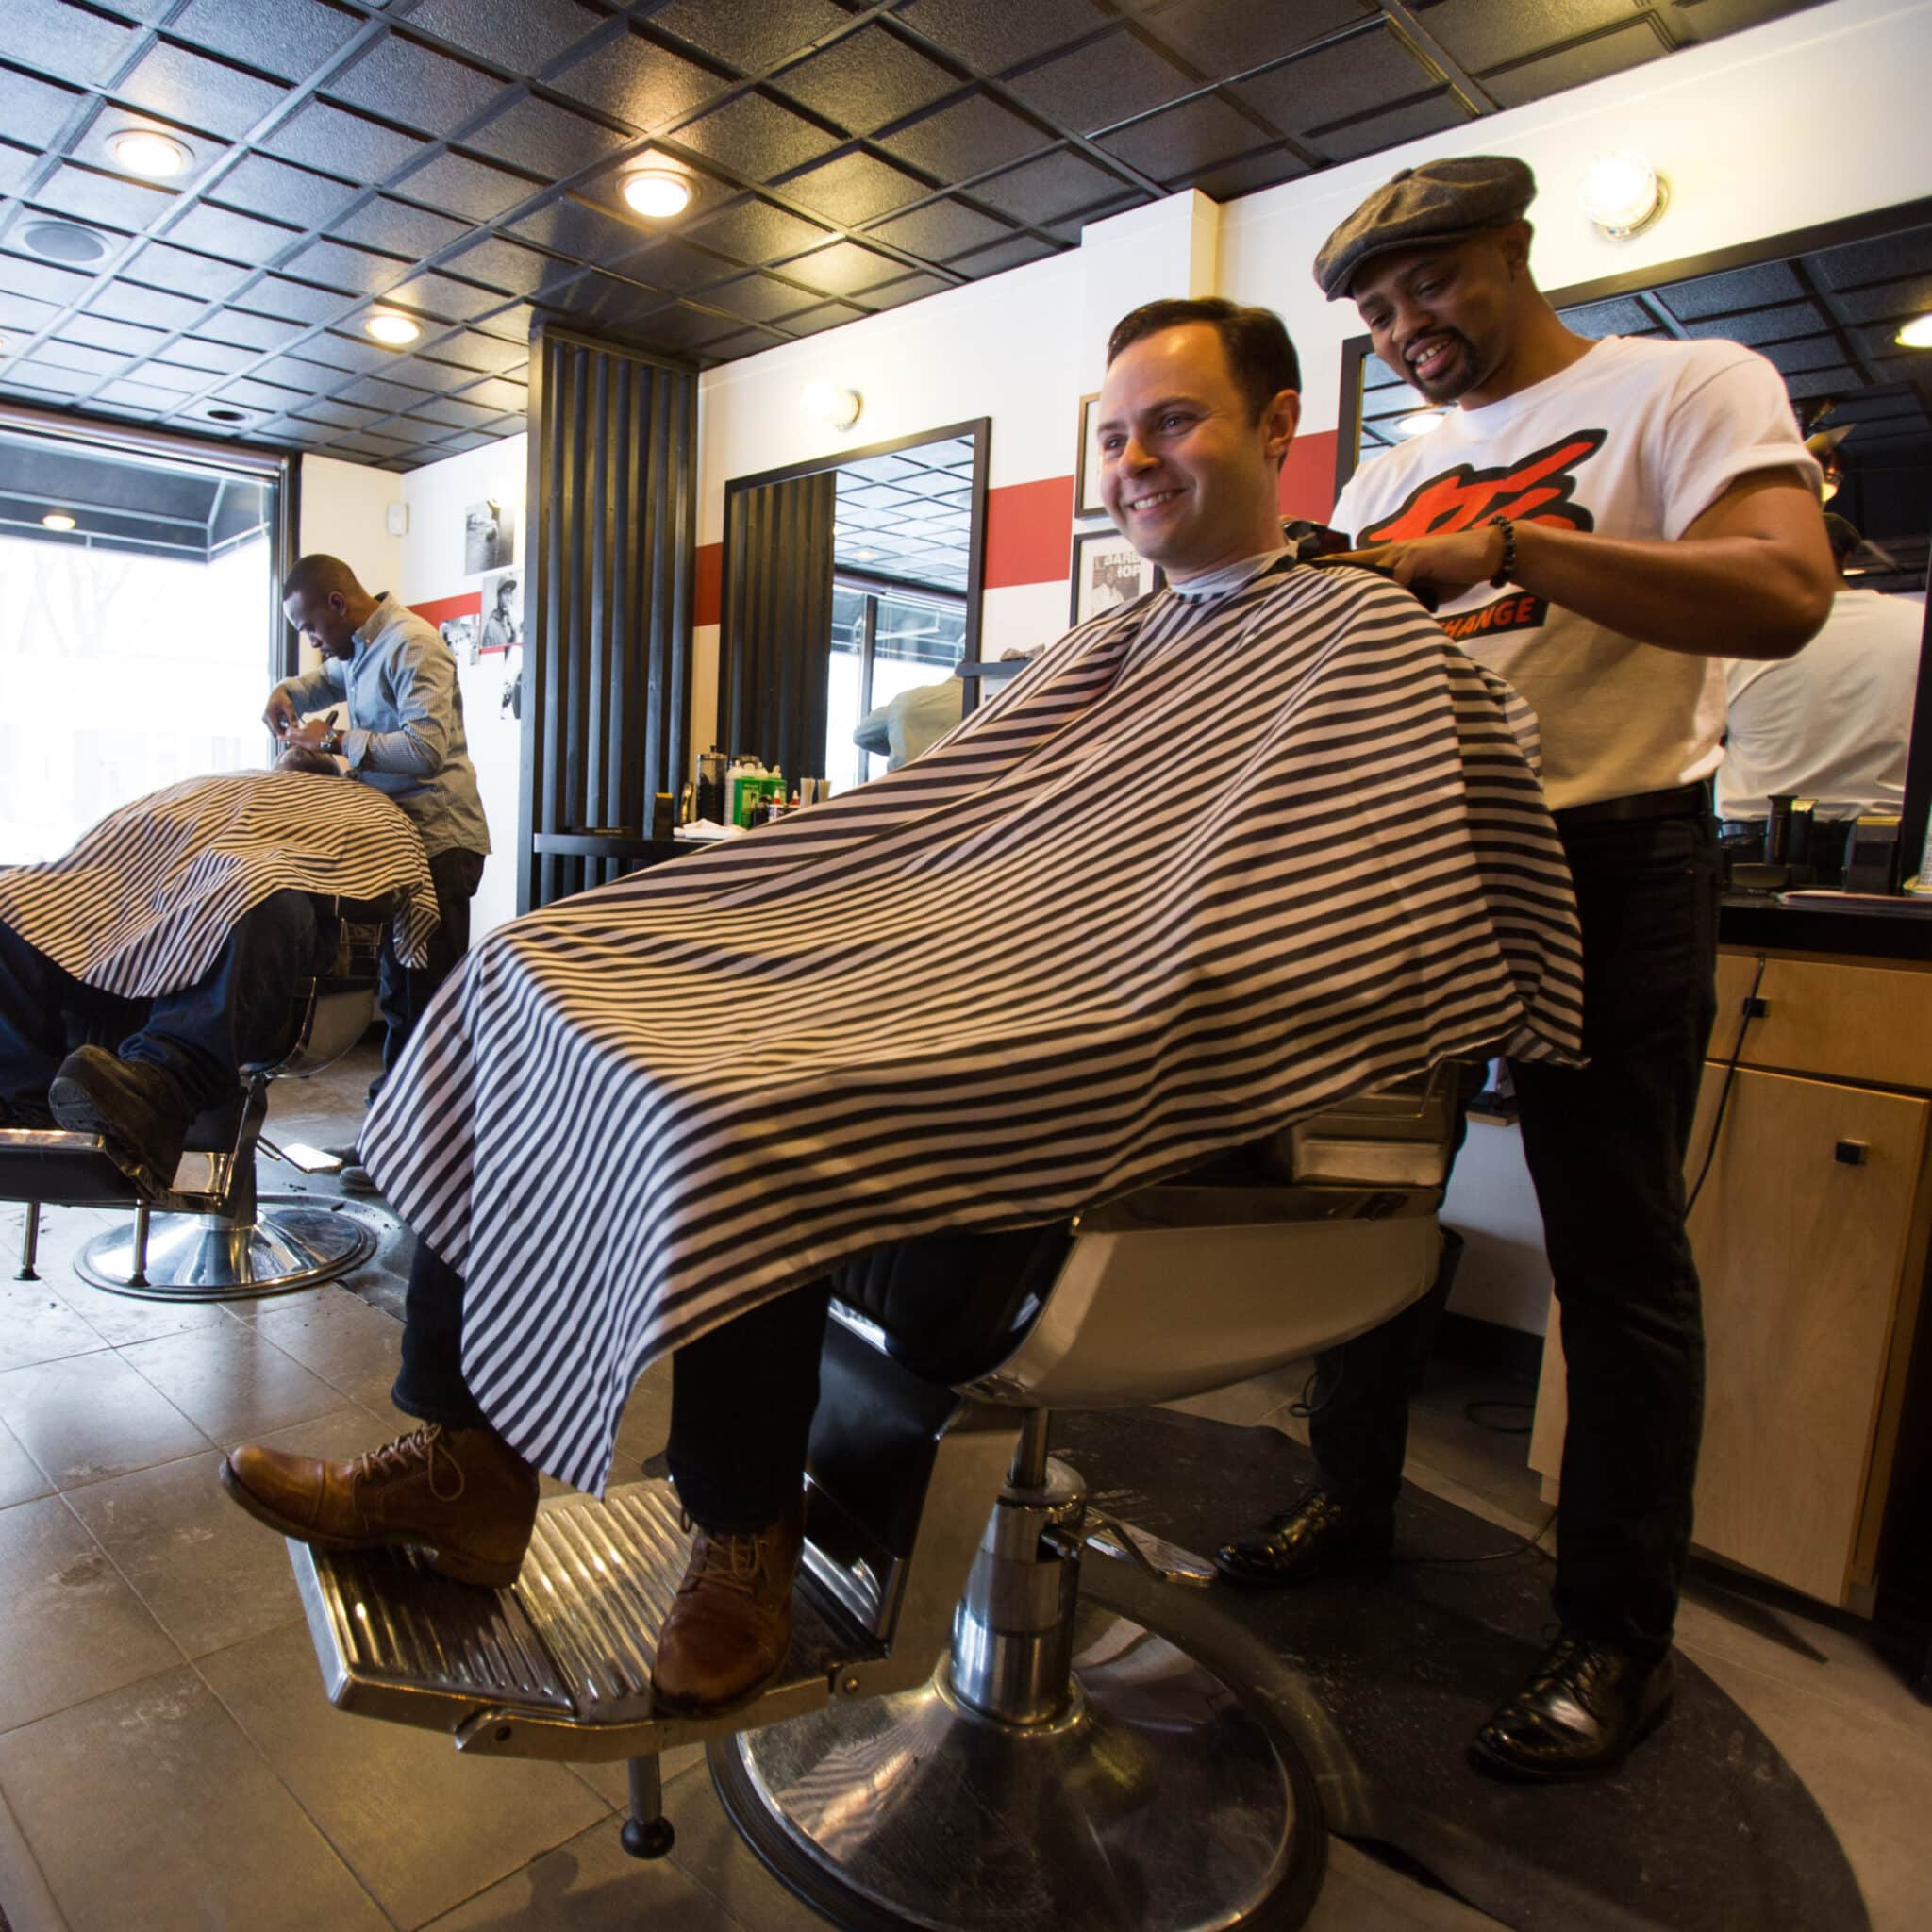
<point x="1603" y="522"/>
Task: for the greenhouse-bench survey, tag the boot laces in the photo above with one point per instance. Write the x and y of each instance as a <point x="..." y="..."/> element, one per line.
<point x="734" y="1562"/>
<point x="427" y="1448"/>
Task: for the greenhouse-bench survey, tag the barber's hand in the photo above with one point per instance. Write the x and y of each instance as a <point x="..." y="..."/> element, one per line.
<point x="1447" y="565"/>
<point x="281" y="716"/>
<point x="310" y="734"/>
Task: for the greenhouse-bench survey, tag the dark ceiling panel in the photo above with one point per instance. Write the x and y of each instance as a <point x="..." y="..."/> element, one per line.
<point x="940" y="229"/>
<point x="1002" y="255"/>
<point x="444" y="296"/>
<point x="1050" y="188"/>
<point x="243" y="328"/>
<point x="398" y="228"/>
<point x="637" y="81"/>
<point x="1338" y="82"/>
<point x="236" y="238"/>
<point x="993" y="39"/>
<point x="1480" y="34"/>
<point x="965" y="138"/>
<point x="754" y="230"/>
<point x="752" y="35"/>
<point x="755" y="137"/>
<point x="462" y="187"/>
<point x="341" y="266"/>
<point x="112" y="199"/>
<point x="509" y="266"/>
<point x="524" y="34"/>
<point x="291" y="38"/>
<point x="1181" y="141"/>
<point x="295" y="301"/>
<point x="1575" y="66"/>
<point x="866" y="79"/>
<point x="845" y="269"/>
<point x="1114" y="78"/>
<point x="342" y="143"/>
<point x="811" y="322"/>
<point x="1374" y="132"/>
<point x="545" y="139"/>
<point x="1224" y="37"/>
<point x="410" y="84"/>
<point x="852" y="188"/>
<point x="166" y="267"/>
<point x="285" y="193"/>
<point x="198" y="92"/>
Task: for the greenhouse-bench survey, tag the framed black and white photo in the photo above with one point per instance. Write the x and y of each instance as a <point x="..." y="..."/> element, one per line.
<point x="1107" y="573"/>
<point x="460" y="634"/>
<point x="501" y="617"/>
<point x="490" y="536"/>
<point x="1087" y="465"/>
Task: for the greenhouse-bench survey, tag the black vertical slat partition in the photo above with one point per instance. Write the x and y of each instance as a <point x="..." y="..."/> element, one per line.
<point x="773" y="657"/>
<point x="611" y="519"/>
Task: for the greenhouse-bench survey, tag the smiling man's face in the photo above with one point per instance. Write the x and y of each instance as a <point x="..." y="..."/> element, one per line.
<point x="1442" y="317"/>
<point x="1187" y="474"/>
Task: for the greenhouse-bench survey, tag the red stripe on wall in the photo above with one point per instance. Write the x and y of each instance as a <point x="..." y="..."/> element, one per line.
<point x="1029" y="527"/>
<point x="441" y="609"/>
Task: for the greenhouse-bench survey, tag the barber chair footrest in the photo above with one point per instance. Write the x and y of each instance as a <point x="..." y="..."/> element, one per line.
<point x="559" y="1665"/>
<point x="1156" y="1801"/>
<point x="205" y="1257"/>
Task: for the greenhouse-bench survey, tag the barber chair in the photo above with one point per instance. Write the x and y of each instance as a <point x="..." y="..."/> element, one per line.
<point x="202" y="1234"/>
<point x="960" y="1738"/>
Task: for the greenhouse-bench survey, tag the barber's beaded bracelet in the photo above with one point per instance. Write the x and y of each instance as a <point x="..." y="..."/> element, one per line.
<point x="1506" y="570"/>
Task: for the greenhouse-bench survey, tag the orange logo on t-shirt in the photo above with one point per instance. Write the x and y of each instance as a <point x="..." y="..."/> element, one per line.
<point x="1537" y="489"/>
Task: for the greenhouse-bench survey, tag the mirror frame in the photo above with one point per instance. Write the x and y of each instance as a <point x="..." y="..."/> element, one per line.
<point x="1355" y="351"/>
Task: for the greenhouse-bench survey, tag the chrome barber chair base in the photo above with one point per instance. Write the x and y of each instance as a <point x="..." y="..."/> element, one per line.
<point x="1158" y="1802"/>
<point x="292" y="1243"/>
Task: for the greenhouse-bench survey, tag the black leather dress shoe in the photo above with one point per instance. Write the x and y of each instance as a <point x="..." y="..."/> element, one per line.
<point x="1317" y="1537"/>
<point x="1588" y="1705"/>
<point x="137" y="1107"/>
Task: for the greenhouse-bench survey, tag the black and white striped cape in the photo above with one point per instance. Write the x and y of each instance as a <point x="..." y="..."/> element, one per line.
<point x="145" y="900"/>
<point x="1205" y="866"/>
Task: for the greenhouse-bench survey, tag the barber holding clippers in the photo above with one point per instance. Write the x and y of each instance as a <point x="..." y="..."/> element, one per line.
<point x="1602" y="522"/>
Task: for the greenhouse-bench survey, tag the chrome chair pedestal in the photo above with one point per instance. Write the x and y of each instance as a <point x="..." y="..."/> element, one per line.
<point x="286" y="1243"/>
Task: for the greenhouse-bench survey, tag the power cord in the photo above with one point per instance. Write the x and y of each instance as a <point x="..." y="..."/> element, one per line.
<point x="1520" y="1548"/>
<point x="1724" y="1098"/>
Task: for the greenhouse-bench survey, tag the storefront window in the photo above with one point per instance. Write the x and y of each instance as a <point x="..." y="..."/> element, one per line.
<point x="883" y="642"/>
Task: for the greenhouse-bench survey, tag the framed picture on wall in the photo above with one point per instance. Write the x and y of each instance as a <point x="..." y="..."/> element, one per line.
<point x="490" y="536"/>
<point x="1087" y="464"/>
<point x="503" y="611"/>
<point x="1107" y="573"/>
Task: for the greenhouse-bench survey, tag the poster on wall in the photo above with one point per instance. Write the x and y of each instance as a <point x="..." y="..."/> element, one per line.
<point x="490" y="536"/>
<point x="460" y="634"/>
<point x="1087" y="462"/>
<point x="503" y="611"/>
<point x="1107" y="573"/>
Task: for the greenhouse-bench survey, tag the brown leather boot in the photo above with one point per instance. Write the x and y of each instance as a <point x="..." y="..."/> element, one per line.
<point x="731" y="1626"/>
<point x="464" y="1494"/>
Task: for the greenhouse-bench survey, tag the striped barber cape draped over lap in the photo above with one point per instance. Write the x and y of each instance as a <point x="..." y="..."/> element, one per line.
<point x="144" y="902"/>
<point x="1206" y="866"/>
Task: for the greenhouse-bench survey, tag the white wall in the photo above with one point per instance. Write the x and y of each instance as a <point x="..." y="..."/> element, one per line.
<point x="343" y="510"/>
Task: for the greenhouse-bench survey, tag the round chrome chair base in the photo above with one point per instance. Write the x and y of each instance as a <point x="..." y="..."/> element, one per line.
<point x="1157" y="1801"/>
<point x="199" y="1258"/>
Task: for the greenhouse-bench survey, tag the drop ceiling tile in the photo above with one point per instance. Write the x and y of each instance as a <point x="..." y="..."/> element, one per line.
<point x="297" y="373"/>
<point x="34" y="112"/>
<point x="338" y="414"/>
<point x="239" y="238"/>
<point x="607" y="299"/>
<point x="95" y="330"/>
<point x="637" y="81"/>
<point x="346" y="144"/>
<point x="545" y="139"/>
<point x="750" y="342"/>
<point x="109" y="199"/>
<point x="338" y="265"/>
<point x="750" y="34"/>
<point x="1882" y="259"/>
<point x="43" y="280"/>
<point x="452" y="413"/>
<point x="995" y="38"/>
<point x="398" y="228"/>
<point x="1592" y="59"/>
<point x="198" y="92"/>
<point x="1096" y="86"/>
<point x="426" y="373"/>
<point x="843" y="268"/>
<point x="165" y="372"/>
<point x="584" y="231"/>
<point x="409" y="84"/>
<point x="444" y="296"/>
<point x="1049" y="188"/>
<point x="1336" y="83"/>
<point x="1889" y="301"/>
<point x="464" y="186"/>
<point x="512" y="325"/>
<point x="1229" y="180"/>
<point x="50" y="375"/>
<point x="1480" y="34"/>
<point x="78" y="356"/>
<point x="261" y="395"/>
<point x="379" y="394"/>
<point x="908" y="289"/>
<point x="379" y="448"/>
<point x="964" y="138"/>
<point x="244" y="330"/>
<point x="811" y="322"/>
<point x="1380" y="131"/>
<point x="508" y="425"/>
<point x="294" y="301"/>
<point x="524" y="34"/>
<point x="754" y="230"/>
<point x="259" y="185"/>
<point x="941" y="228"/>
<point x="1224" y="37"/>
<point x="756" y="298"/>
<point x="468" y="438"/>
<point x="485" y="354"/>
<point x="852" y="188"/>
<point x="1180" y="141"/>
<point x="360" y="354"/>
<point x="678" y="266"/>
<point x="1003" y="256"/>
<point x="140" y="395"/>
<point x="756" y="138"/>
<point x="291" y="38"/>
<point x="184" y="273"/>
<point x="495" y="395"/>
<point x="16" y="164"/>
<point x="63" y="41"/>
<point x="509" y="266"/>
<point x="866" y="79"/>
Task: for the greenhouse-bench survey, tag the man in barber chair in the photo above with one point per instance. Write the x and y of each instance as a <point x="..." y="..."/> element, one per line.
<point x="176" y="927"/>
<point x="1603" y="522"/>
<point x="1198" y="409"/>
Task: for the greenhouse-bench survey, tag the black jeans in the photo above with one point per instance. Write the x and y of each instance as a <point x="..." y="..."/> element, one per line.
<point x="200" y="1035"/>
<point x="1606" y="1146"/>
<point x="404" y="992"/>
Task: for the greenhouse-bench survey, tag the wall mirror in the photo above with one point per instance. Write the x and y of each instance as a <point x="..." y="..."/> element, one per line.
<point x="1827" y="306"/>
<point x="852" y="599"/>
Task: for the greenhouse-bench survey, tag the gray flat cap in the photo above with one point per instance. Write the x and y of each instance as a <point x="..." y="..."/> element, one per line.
<point x="1440" y="201"/>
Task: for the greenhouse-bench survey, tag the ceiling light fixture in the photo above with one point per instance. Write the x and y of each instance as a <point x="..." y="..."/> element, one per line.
<point x="657" y="193"/>
<point x="141" y="151"/>
<point x="227" y="415"/>
<point x="1916" y="333"/>
<point x="1622" y="193"/>
<point x="66" y="241"/>
<point x="1419" y="423"/>
<point x="58" y="519"/>
<point x="385" y="326"/>
<point x="826" y="403"/>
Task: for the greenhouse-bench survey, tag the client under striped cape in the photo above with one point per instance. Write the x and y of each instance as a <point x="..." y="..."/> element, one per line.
<point x="1206" y="866"/>
<point x="145" y="900"/>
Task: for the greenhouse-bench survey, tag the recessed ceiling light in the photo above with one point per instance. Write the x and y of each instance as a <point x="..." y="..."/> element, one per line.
<point x="224" y="414"/>
<point x="58" y="519"/>
<point x="657" y="192"/>
<point x="863" y="556"/>
<point x="385" y="326"/>
<point x="1916" y="333"/>
<point x="65" y="241"/>
<point x="1420" y="424"/>
<point x="141" y="151"/>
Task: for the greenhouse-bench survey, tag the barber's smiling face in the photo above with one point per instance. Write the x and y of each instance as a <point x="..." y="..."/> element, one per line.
<point x="1440" y="317"/>
<point x="1187" y="472"/>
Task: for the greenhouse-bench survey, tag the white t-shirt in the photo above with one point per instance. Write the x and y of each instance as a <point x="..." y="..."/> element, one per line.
<point x="1636" y="438"/>
<point x="1830" y="723"/>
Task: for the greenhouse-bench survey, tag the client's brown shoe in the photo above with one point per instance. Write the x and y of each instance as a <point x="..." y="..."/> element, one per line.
<point x="465" y="1494"/>
<point x="730" y="1626"/>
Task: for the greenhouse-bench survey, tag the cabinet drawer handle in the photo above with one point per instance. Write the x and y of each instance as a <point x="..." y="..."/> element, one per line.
<point x="1851" y="1152"/>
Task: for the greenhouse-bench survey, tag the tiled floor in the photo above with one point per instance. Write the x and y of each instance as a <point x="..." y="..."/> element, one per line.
<point x="167" y="1758"/>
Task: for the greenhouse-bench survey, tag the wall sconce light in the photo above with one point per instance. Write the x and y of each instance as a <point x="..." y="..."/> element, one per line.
<point x="1827" y="446"/>
<point x="1916" y="333"/>
<point x="388" y="328"/>
<point x="141" y="151"/>
<point x="1622" y="193"/>
<point x="657" y="191"/>
<point x="836" y="407"/>
<point x="58" y="519"/>
<point x="1420" y="424"/>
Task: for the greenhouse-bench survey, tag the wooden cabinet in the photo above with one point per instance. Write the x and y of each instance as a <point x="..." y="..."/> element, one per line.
<point x="1810" y="1235"/>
